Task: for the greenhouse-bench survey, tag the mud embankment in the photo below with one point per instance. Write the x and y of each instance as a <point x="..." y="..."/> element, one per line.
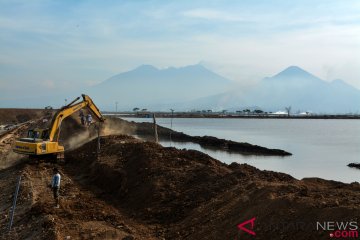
<point x="146" y="130"/>
<point x="185" y="194"/>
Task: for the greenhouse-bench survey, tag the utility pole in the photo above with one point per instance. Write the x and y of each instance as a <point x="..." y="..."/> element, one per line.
<point x="171" y="123"/>
<point x="155" y="129"/>
<point x="98" y="140"/>
<point x="172" y="116"/>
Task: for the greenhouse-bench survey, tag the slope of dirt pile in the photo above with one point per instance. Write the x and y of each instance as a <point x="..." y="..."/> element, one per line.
<point x="145" y="175"/>
<point x="82" y="214"/>
<point x="189" y="195"/>
<point x="146" y="130"/>
<point x="29" y="221"/>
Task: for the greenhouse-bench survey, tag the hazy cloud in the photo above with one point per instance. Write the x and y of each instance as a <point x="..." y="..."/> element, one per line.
<point x="84" y="42"/>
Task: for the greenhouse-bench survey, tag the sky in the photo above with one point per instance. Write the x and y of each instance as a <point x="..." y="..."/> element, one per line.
<point x="50" y="46"/>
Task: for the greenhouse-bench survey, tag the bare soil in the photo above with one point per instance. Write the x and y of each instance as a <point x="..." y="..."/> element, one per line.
<point x="135" y="189"/>
<point x="17" y="115"/>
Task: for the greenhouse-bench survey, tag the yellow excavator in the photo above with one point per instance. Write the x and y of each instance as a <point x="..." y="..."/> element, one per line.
<point x="45" y="142"/>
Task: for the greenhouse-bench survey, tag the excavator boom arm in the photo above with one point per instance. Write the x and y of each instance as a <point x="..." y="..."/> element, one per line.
<point x="68" y="110"/>
<point x="92" y="107"/>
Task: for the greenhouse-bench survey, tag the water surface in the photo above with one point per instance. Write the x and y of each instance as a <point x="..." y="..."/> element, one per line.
<point x="320" y="148"/>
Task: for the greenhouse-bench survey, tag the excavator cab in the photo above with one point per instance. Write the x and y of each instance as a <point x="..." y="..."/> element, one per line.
<point x="37" y="143"/>
<point x="38" y="133"/>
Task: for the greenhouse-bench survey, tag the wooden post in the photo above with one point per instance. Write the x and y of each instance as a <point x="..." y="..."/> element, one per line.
<point x="155" y="129"/>
<point x="98" y="140"/>
<point x="171" y="123"/>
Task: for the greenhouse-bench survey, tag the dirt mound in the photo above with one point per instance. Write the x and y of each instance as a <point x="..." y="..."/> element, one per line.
<point x="144" y="176"/>
<point x="192" y="196"/>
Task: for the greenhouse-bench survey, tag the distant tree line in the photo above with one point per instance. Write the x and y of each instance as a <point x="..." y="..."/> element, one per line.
<point x="136" y="109"/>
<point x="224" y="111"/>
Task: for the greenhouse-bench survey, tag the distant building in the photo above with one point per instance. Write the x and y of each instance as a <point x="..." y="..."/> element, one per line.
<point x="280" y="113"/>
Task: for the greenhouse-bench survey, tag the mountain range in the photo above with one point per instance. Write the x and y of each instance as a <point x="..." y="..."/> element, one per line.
<point x="147" y="86"/>
<point x="195" y="87"/>
<point x="291" y="87"/>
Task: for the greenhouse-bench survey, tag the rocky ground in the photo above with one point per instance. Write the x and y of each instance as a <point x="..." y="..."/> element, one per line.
<point x="133" y="189"/>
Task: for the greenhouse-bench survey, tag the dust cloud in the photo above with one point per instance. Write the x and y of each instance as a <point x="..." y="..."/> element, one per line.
<point x="109" y="127"/>
<point x="78" y="140"/>
<point x="114" y="127"/>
